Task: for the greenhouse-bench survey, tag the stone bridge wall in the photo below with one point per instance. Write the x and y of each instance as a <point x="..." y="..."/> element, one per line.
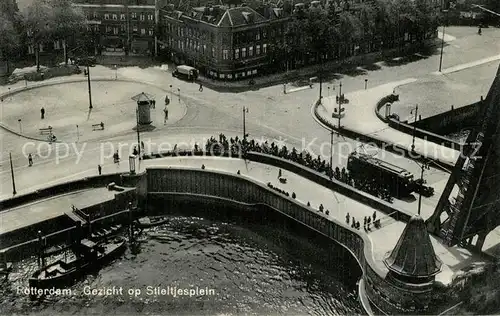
<point x="208" y="187"/>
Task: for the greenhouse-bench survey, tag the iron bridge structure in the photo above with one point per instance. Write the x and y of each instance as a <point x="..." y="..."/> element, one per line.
<point x="469" y="207"/>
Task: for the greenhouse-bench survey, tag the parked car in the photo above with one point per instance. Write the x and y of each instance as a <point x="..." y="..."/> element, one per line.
<point x="185" y="72"/>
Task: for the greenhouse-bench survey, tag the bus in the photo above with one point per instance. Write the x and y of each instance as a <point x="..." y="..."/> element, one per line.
<point x="185" y="72"/>
<point x="364" y="167"/>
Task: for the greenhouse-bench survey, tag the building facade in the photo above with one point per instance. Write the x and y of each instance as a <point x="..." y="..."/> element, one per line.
<point x="122" y="27"/>
<point x="238" y="40"/>
<point x="223" y="41"/>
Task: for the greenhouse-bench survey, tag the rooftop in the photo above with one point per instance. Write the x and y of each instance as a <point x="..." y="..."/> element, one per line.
<point x="226" y="15"/>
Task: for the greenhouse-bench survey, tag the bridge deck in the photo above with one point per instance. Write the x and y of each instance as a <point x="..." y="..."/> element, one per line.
<point x="384" y="239"/>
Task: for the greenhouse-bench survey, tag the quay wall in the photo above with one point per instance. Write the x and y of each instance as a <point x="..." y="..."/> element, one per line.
<point x="177" y="185"/>
<point x="23" y="243"/>
<point x="66" y="187"/>
<point x="451" y="121"/>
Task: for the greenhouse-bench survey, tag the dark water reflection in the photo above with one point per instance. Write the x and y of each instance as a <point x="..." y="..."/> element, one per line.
<point x="255" y="268"/>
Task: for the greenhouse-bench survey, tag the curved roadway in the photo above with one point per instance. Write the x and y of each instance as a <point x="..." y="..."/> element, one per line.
<point x="285" y="119"/>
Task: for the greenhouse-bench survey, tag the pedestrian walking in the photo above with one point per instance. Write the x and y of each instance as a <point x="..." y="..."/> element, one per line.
<point x="201" y="88"/>
<point x="42" y="113"/>
<point x="153" y="104"/>
<point x="165" y="110"/>
<point x="142" y="145"/>
<point x="99" y="169"/>
<point x="280" y="173"/>
<point x="374" y="216"/>
<point x="30" y="160"/>
<point x="479" y="30"/>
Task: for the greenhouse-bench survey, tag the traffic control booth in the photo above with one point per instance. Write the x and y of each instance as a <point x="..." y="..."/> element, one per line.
<point x="144" y="104"/>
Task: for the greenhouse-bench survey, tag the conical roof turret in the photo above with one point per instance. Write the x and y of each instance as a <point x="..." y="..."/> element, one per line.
<point x="414" y="254"/>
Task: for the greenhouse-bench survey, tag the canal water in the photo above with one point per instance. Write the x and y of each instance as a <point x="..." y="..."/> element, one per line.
<point x="225" y="266"/>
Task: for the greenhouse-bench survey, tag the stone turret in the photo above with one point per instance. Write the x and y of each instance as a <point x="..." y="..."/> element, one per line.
<point x="413" y="260"/>
<point x="413" y="265"/>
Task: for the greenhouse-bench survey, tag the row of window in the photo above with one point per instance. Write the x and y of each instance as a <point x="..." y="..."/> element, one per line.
<point x="250" y="51"/>
<point x="189" y="32"/>
<point x="122" y="16"/>
<point x="242" y="74"/>
<point x="197" y="46"/>
<point x="123" y="28"/>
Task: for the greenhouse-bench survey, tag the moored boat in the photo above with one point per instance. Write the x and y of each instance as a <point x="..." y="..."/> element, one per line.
<point x="146" y="222"/>
<point x="89" y="256"/>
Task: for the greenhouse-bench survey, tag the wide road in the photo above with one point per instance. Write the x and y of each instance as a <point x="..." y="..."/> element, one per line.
<point x="272" y="115"/>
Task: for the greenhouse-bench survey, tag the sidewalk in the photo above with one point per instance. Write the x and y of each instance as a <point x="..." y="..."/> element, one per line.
<point x="360" y="118"/>
<point x="72" y="121"/>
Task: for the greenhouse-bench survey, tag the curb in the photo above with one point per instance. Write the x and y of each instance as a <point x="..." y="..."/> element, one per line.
<point x="260" y="82"/>
<point x="390" y="147"/>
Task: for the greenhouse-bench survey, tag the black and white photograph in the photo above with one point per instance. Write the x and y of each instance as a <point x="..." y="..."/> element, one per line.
<point x="249" y="157"/>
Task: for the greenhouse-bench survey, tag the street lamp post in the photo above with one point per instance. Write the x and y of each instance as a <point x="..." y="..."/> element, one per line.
<point x="331" y="153"/>
<point x="138" y="133"/>
<point x="20" y="126"/>
<point x="442" y="40"/>
<point x="171" y="94"/>
<point x="179" y="92"/>
<point x="414" y="130"/>
<point x="422" y="167"/>
<point x="320" y="87"/>
<point x="116" y="72"/>
<point x="14" y="192"/>
<point x="366" y="83"/>
<point x="340" y="105"/>
<point x="245" y="110"/>
<point x="90" y="89"/>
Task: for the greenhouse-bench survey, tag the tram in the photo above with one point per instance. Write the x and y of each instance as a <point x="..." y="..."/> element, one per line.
<point x="399" y="181"/>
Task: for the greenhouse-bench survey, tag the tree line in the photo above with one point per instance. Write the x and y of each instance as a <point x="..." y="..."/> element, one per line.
<point x="41" y="21"/>
<point x="316" y="34"/>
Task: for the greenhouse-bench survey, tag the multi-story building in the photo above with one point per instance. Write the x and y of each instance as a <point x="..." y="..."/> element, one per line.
<point x="122" y="26"/>
<point x="235" y="40"/>
<point x="223" y="41"/>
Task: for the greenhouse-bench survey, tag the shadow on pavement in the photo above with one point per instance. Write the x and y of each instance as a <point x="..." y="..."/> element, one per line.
<point x="421" y="54"/>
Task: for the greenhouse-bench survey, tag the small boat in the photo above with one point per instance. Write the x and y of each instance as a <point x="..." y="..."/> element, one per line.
<point x="89" y="256"/>
<point x="146" y="222"/>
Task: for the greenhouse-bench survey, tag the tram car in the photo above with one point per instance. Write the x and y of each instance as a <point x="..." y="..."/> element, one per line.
<point x="399" y="181"/>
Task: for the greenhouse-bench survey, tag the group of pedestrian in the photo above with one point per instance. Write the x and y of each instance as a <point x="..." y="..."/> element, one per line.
<point x="354" y="224"/>
<point x="366" y="221"/>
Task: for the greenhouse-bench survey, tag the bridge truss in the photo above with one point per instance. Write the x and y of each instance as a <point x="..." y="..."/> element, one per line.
<point x="469" y="207"/>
